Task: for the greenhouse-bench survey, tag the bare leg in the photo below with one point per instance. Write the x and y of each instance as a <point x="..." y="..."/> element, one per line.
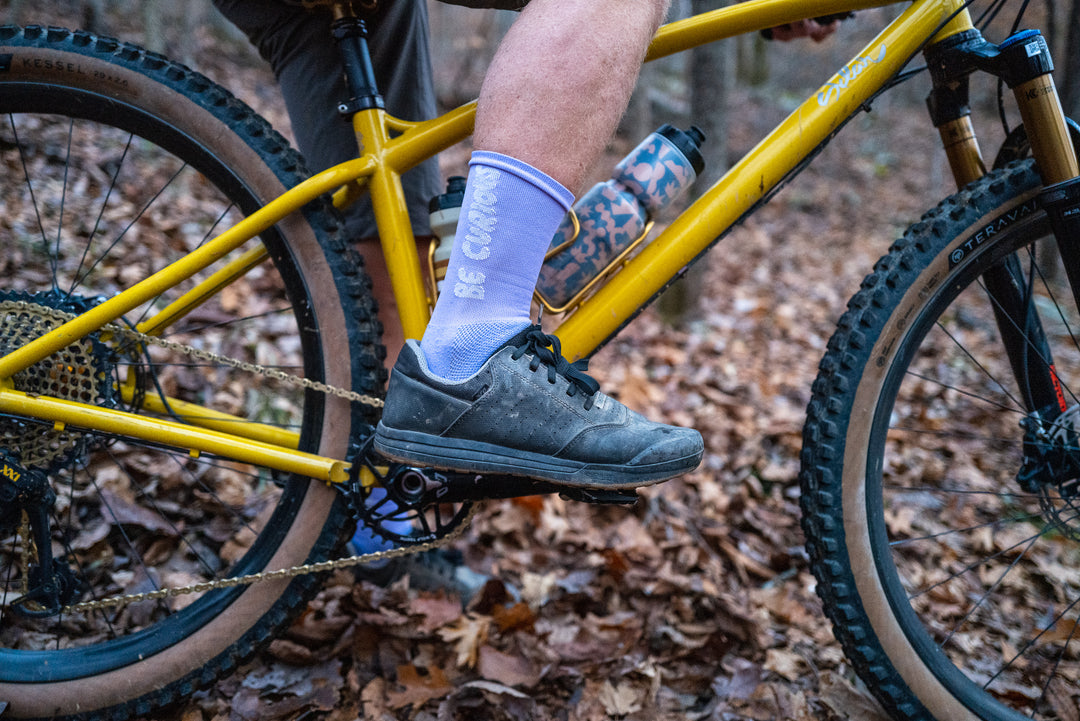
<point x="561" y="80"/>
<point x="554" y="93"/>
<point x="485" y="390"/>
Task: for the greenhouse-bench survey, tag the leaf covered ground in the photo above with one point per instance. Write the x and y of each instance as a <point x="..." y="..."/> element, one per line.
<point x="697" y="603"/>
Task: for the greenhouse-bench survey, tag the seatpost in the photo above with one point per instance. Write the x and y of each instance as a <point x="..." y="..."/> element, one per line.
<point x="350" y="32"/>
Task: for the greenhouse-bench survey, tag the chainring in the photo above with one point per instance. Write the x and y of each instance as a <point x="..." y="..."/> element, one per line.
<point x="407" y="506"/>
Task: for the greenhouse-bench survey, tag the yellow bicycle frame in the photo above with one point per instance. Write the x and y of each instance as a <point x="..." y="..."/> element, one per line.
<point x="378" y="170"/>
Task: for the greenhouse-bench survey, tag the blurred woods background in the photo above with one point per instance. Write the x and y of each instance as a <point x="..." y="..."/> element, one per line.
<point x="733" y="90"/>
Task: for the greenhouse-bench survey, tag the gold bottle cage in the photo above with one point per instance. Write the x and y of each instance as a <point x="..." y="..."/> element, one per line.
<point x="613" y="266"/>
<point x="549" y="306"/>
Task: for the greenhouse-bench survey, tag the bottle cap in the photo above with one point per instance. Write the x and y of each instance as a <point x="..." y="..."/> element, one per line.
<point x="452" y="198"/>
<point x="687" y="141"/>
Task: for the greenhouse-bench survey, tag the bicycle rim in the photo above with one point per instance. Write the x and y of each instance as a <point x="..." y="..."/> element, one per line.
<point x="967" y="581"/>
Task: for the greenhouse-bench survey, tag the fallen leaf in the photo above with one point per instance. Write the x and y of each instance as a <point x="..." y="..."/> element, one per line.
<point x="847" y="701"/>
<point x="467" y="635"/>
<point x="435" y="611"/>
<point x="518" y="617"/>
<point x="506" y="668"/>
<point x="790" y="665"/>
<point x="621" y="699"/>
<point x="418" y="688"/>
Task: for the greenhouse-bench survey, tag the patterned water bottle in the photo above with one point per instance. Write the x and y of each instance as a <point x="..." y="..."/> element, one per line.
<point x="613" y="214"/>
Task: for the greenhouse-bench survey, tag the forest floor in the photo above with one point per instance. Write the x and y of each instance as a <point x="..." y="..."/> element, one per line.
<point x="697" y="603"/>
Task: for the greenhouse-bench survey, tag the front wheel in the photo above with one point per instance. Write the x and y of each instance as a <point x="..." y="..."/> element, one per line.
<point x="941" y="513"/>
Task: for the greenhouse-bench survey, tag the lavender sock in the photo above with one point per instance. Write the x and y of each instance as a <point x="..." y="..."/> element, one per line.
<point x="510" y="214"/>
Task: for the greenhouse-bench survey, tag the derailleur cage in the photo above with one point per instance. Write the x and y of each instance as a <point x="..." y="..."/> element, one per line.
<point x="26" y="494"/>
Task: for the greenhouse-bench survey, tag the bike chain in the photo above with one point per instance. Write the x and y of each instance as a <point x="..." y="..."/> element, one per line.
<point x="293" y="571"/>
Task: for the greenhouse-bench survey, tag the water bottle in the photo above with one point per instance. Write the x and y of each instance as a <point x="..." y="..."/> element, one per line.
<point x="614" y="213"/>
<point x="445" y="210"/>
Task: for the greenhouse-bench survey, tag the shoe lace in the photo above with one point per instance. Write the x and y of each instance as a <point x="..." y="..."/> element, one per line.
<point x="546" y="350"/>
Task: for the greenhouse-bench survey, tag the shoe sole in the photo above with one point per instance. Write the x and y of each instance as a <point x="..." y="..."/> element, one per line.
<point x="464" y="456"/>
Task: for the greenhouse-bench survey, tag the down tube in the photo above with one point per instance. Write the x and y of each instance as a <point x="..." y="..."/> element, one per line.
<point x="750" y="180"/>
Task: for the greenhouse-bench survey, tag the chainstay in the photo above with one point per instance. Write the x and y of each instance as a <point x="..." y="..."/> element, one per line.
<point x="291" y="572"/>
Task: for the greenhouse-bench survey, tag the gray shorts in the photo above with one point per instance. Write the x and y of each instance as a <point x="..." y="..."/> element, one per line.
<point x="304" y="58"/>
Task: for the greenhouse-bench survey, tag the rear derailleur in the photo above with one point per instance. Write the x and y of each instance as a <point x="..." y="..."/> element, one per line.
<point x="26" y="499"/>
<point x="410" y="505"/>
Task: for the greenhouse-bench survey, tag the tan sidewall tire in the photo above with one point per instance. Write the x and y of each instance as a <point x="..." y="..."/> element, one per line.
<point x="219" y="635"/>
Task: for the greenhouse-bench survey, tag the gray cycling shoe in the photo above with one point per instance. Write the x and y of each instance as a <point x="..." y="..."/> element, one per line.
<point x="527" y="412"/>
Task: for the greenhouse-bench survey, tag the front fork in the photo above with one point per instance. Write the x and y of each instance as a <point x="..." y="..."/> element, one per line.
<point x="1023" y="62"/>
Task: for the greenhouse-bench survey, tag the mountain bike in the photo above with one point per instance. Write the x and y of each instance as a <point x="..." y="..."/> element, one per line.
<point x="186" y="446"/>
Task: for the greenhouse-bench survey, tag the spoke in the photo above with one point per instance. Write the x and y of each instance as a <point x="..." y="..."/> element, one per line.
<point x="138" y="216"/>
<point x="1053" y="299"/>
<point x="1031" y="642"/>
<point x="33" y="197"/>
<point x="212" y="463"/>
<point x="228" y="323"/>
<point x="55" y="258"/>
<point x="1057" y="662"/>
<point x="967" y="529"/>
<point x="972" y="566"/>
<point x="78" y="276"/>
<point x="978" y="364"/>
<point x="946" y="386"/>
<point x="206" y="236"/>
<point x="153" y="504"/>
<point x="7" y="581"/>
<point x="1028" y="345"/>
<point x="962" y="491"/>
<point x="988" y="591"/>
<point x="956" y="435"/>
<point x="127" y="539"/>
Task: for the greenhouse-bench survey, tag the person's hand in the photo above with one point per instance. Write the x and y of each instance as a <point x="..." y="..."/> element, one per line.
<point x="808" y="28"/>
<point x="817" y="29"/>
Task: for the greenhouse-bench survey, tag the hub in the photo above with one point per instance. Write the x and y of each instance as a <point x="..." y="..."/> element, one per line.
<point x="1051" y="468"/>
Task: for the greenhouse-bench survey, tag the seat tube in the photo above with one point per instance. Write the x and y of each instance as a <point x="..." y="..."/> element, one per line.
<point x="395" y="229"/>
<point x="366" y="107"/>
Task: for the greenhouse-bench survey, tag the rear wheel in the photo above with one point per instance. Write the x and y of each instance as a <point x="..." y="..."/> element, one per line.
<point x="942" y="517"/>
<point x="116" y="162"/>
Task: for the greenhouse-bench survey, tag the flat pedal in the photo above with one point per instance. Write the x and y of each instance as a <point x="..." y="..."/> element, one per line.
<point x="434" y="503"/>
<point x="477" y="487"/>
<point x="594" y="495"/>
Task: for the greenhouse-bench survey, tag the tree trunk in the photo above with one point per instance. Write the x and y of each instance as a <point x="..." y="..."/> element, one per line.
<point x="1069" y="76"/>
<point x="711" y="74"/>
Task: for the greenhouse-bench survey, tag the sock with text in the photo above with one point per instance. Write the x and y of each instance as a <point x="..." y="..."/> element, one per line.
<point x="508" y="218"/>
